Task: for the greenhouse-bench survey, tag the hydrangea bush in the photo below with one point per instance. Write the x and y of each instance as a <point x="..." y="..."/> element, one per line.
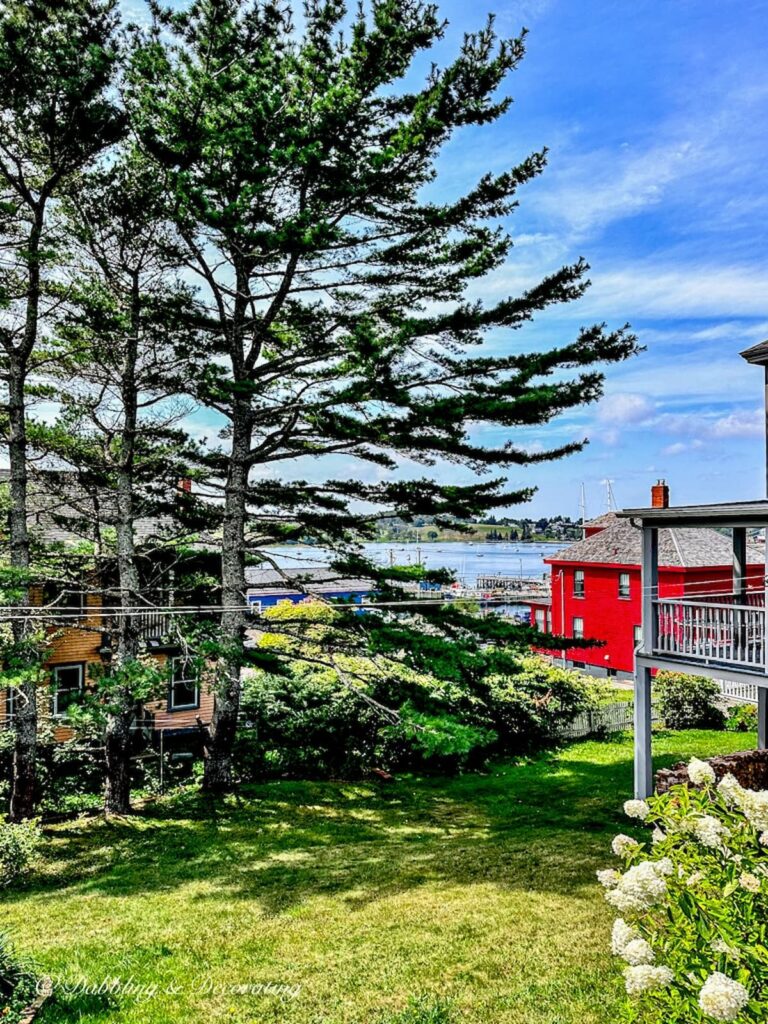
<point x="692" y="904"/>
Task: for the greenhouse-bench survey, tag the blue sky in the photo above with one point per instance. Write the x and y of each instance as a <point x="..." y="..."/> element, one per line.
<point x="655" y="117"/>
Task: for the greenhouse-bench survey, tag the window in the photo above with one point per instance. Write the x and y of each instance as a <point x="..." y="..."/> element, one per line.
<point x="64" y="598"/>
<point x="541" y="620"/>
<point x="184" y="690"/>
<point x="67" y="683"/>
<point x="10" y="705"/>
<point x="637" y="633"/>
<point x="577" y="630"/>
<point x="578" y="583"/>
<point x="623" y="584"/>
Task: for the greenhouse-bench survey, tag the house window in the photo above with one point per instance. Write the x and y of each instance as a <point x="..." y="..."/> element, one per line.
<point x="67" y="682"/>
<point x="10" y="705"/>
<point x="577" y="630"/>
<point x="184" y="689"/>
<point x="541" y="623"/>
<point x="65" y="599"/>
<point x="623" y="584"/>
<point x="578" y="583"/>
<point x="637" y="633"/>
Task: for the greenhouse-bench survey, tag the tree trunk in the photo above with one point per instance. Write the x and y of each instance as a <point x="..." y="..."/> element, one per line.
<point x="23" y="790"/>
<point x="23" y="795"/>
<point x="117" y="739"/>
<point x="217" y="777"/>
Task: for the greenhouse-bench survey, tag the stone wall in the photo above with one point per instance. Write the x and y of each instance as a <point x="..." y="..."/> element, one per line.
<point x="749" y="767"/>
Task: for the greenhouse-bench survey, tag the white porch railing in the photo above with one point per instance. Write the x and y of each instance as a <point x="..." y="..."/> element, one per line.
<point x="712" y="631"/>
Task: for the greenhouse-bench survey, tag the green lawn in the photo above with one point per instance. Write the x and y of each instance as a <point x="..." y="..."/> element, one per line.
<point x="480" y="889"/>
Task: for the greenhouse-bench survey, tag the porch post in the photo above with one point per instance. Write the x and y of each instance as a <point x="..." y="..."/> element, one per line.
<point x="740" y="564"/>
<point x="762" y="717"/>
<point x="643" y="754"/>
<point x="650" y="587"/>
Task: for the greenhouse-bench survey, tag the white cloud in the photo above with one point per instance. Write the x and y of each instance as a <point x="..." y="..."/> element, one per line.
<point x="679" y="447"/>
<point x="624" y="408"/>
<point x="675" y="449"/>
<point x="600" y="187"/>
<point x="740" y="424"/>
<point x="654" y="290"/>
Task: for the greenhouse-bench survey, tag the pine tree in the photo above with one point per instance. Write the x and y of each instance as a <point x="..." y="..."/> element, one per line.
<point x="57" y="63"/>
<point x="114" y="357"/>
<point x="334" y="291"/>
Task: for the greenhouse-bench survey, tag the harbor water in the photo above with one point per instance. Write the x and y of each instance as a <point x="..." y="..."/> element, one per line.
<point x="466" y="559"/>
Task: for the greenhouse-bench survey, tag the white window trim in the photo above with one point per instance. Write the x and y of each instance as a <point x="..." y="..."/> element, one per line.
<point x="628" y="595"/>
<point x="172" y="706"/>
<point x="578" y="634"/>
<point x="55" y="696"/>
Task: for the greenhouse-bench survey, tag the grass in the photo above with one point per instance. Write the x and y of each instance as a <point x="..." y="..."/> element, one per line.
<point x="473" y="896"/>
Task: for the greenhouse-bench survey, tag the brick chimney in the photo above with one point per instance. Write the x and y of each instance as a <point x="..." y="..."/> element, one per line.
<point x="185" y="485"/>
<point x="660" y="494"/>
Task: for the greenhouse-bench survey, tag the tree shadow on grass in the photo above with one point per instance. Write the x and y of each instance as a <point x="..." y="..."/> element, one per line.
<point x="542" y="825"/>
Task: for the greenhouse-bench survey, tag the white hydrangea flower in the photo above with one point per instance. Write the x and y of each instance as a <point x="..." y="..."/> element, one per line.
<point x="639" y="888"/>
<point x="665" y="866"/>
<point x="657" y="836"/>
<point x="695" y="878"/>
<point x="755" y="806"/>
<point x="700" y="772"/>
<point x="708" y="829"/>
<point x="622" y="845"/>
<point x="730" y="789"/>
<point x="621" y="935"/>
<point x="763" y="838"/>
<point x="637" y="952"/>
<point x="644" y="978"/>
<point x="749" y="881"/>
<point x="722" y="998"/>
<point x="609" y="878"/>
<point x="637" y="809"/>
<point x="721" y="946"/>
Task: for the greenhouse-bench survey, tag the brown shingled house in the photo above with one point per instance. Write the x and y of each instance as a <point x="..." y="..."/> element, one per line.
<point x="66" y="517"/>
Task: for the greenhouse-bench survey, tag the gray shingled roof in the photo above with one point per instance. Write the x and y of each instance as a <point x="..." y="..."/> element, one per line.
<point x="621" y="544"/>
<point x="62" y="511"/>
<point x="314" y="580"/>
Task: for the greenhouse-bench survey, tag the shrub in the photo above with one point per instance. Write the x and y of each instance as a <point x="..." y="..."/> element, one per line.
<point x="689" y="702"/>
<point x="18" y="979"/>
<point x="310" y="723"/>
<point x="18" y="846"/>
<point x="742" y="718"/>
<point x="693" y="904"/>
<point x="527" y="710"/>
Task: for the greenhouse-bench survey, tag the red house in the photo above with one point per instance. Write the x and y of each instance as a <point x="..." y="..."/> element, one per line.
<point x="596" y="588"/>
